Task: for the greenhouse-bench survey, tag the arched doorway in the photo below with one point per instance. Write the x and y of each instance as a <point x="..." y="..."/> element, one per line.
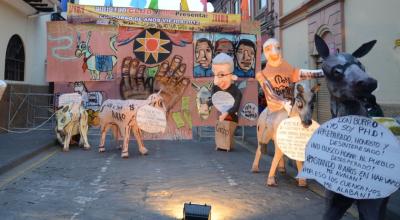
<point x="15" y="59"/>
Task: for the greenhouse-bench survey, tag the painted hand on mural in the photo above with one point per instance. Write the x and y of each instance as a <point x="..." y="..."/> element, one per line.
<point x="170" y="80"/>
<point x="139" y="81"/>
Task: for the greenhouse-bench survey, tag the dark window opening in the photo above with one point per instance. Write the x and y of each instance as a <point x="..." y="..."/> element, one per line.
<point x="15" y="60"/>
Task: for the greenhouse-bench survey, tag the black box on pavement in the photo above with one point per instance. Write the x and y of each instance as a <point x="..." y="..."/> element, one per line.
<point x="196" y="212"/>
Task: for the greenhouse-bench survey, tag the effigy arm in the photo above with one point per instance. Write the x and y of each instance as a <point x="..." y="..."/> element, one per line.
<point x="310" y="74"/>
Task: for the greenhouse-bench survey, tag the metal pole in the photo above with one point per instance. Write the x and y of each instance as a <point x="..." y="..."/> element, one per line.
<point x="9" y="107"/>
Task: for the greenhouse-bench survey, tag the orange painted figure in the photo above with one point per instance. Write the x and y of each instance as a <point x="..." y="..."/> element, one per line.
<point x="277" y="81"/>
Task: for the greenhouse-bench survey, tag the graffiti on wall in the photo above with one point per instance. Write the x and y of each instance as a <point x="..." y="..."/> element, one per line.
<point x="241" y="47"/>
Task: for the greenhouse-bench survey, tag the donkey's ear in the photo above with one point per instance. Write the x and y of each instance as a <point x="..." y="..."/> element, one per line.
<point x="364" y="49"/>
<point x="322" y="48"/>
<point x="316" y="88"/>
<point x="300" y="88"/>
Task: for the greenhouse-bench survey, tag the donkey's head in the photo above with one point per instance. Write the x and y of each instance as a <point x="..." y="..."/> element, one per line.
<point x="157" y="101"/>
<point x="346" y="77"/>
<point x="304" y="103"/>
<point x="82" y="47"/>
<point x="63" y="117"/>
<point x="203" y="98"/>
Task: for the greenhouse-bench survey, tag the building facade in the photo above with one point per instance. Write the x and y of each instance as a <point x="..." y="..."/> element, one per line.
<point x="344" y="25"/>
<point x="23" y="55"/>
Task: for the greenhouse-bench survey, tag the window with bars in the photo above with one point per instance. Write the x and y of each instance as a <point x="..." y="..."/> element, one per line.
<point x="15" y="59"/>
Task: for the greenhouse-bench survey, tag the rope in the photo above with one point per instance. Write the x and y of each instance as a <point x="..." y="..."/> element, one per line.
<point x="29" y="130"/>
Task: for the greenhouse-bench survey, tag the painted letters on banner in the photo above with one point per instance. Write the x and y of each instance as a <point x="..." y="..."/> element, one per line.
<point x="159" y="19"/>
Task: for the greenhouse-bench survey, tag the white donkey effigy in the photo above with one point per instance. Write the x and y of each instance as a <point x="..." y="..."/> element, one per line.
<point x="121" y="117"/>
<point x="71" y="120"/>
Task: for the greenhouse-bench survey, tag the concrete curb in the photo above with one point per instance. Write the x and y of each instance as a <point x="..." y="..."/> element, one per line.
<point x="17" y="161"/>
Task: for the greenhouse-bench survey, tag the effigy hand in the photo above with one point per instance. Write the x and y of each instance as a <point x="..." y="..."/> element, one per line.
<point x="170" y="81"/>
<point x="135" y="81"/>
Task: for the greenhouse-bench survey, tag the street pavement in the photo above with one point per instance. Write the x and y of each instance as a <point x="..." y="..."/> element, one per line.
<point x="89" y="185"/>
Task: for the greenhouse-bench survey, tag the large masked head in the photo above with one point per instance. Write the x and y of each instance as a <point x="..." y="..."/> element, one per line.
<point x="222" y="68"/>
<point x="272" y="52"/>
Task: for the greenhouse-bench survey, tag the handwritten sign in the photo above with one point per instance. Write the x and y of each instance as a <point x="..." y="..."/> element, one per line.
<point x="292" y="137"/>
<point x="3" y="86"/>
<point x="150" y="119"/>
<point x="69" y="98"/>
<point x="250" y="111"/>
<point x="222" y="101"/>
<point x="354" y="156"/>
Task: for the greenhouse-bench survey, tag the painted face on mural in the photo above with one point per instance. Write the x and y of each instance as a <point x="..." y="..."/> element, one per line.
<point x="224" y="46"/>
<point x="203" y="53"/>
<point x="272" y="51"/>
<point x="223" y="77"/>
<point x="245" y="55"/>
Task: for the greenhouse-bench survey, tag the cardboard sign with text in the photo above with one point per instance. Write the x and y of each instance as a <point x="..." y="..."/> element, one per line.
<point x="223" y="101"/>
<point x="151" y="119"/>
<point x="224" y="131"/>
<point x="250" y="111"/>
<point x="292" y="137"/>
<point x="354" y="156"/>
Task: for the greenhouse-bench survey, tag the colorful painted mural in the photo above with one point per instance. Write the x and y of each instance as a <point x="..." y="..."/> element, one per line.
<point x="241" y="47"/>
<point x="142" y="62"/>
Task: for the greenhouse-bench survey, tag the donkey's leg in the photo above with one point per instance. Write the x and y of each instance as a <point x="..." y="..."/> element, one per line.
<point x="139" y="138"/>
<point x="281" y="166"/>
<point x="125" y="150"/>
<point x="257" y="157"/>
<point x="116" y="135"/>
<point x="109" y="75"/>
<point x="272" y="171"/>
<point x="83" y="130"/>
<point x="92" y="74"/>
<point x="103" y="131"/>
<point x="263" y="137"/>
<point x="97" y="75"/>
<point x="301" y="182"/>
<point x="68" y="134"/>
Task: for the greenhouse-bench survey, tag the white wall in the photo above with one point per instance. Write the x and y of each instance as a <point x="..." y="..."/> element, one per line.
<point x="295" y="44"/>
<point x="379" y="20"/>
<point x="33" y="34"/>
<point x="289" y="5"/>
